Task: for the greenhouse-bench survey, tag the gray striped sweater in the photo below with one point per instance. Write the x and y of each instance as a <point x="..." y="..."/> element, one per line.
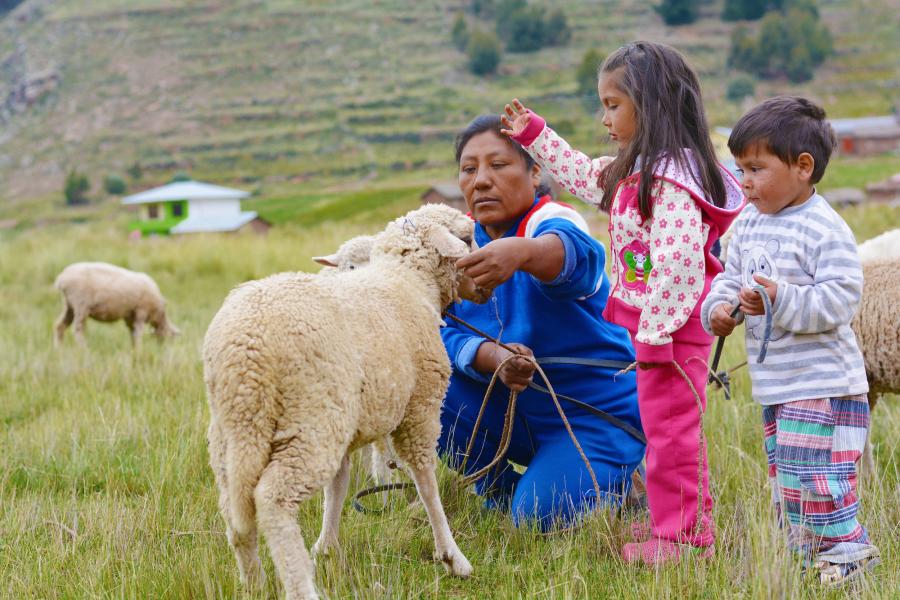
<point x="810" y="251"/>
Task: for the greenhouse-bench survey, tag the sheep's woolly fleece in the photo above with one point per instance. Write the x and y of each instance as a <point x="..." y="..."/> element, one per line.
<point x="301" y="369"/>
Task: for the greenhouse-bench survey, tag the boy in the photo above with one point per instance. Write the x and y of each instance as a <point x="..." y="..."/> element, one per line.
<point x="790" y="245"/>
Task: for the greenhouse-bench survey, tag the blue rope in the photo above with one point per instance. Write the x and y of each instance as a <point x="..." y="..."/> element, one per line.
<point x="767" y="331"/>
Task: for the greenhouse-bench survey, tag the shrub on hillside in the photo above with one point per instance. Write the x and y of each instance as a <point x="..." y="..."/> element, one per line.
<point x="76" y="188"/>
<point x="460" y="33"/>
<point x="484" y="53"/>
<point x="788" y="45"/>
<point x="113" y="184"/>
<point x="739" y="88"/>
<point x="556" y="29"/>
<point x="525" y="28"/>
<point x="8" y="5"/>
<point x="586" y="78"/>
<point x="180" y="176"/>
<point x="135" y="171"/>
<point x="740" y="10"/>
<point x="677" y="12"/>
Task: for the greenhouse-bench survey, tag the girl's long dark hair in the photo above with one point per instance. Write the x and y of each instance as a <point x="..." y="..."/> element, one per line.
<point x="669" y="119"/>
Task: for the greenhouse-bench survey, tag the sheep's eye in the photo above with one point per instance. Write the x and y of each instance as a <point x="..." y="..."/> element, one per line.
<point x="352" y="267"/>
<point x="467" y="240"/>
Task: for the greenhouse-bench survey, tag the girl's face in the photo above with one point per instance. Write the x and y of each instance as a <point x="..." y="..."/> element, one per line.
<point x="498" y="186"/>
<point x="619" y="115"/>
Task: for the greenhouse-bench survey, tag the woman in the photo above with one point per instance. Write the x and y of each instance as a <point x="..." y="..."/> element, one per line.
<point x="550" y="291"/>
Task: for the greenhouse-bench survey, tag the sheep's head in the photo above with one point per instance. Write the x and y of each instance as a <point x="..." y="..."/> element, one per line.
<point x="439" y="235"/>
<point x="163" y="327"/>
<point x="352" y="254"/>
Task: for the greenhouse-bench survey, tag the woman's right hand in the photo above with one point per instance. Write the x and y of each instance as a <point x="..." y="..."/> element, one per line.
<point x="516" y="119"/>
<point x="515" y="374"/>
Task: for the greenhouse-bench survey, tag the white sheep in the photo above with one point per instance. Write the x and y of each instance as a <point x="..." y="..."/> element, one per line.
<point x="303" y="369"/>
<point x="107" y="293"/>
<point x="886" y="245"/>
<point x="877" y="329"/>
<point x="355" y="254"/>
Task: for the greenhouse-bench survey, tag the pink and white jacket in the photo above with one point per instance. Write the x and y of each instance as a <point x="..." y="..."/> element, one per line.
<point x="662" y="267"/>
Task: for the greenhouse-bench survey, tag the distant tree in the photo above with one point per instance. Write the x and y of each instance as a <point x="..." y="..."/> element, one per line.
<point x="484" y="53"/>
<point x="739" y="10"/>
<point x="586" y="79"/>
<point x="460" y="33"/>
<point x="482" y="8"/>
<point x="180" y="176"/>
<point x="556" y="29"/>
<point x="113" y="184"/>
<point x="789" y="45"/>
<point x="135" y="171"/>
<point x="523" y="29"/>
<point x="739" y="88"/>
<point x="677" y="12"/>
<point x="76" y="188"/>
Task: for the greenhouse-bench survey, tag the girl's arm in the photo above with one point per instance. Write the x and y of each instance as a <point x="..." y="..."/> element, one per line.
<point x="677" y="277"/>
<point x="572" y="169"/>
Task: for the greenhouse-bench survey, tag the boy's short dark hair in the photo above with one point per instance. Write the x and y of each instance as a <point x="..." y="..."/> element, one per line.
<point x="788" y="126"/>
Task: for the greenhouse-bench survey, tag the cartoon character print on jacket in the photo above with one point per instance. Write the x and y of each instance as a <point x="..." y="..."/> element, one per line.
<point x="636" y="265"/>
<point x="759" y="260"/>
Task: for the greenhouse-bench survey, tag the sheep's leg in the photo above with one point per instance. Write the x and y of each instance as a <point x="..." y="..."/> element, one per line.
<point x="137" y="330"/>
<point x="65" y="319"/>
<point x="335" y="493"/>
<point x="78" y="327"/>
<point x="445" y="546"/>
<point x="244" y="544"/>
<point x="285" y="482"/>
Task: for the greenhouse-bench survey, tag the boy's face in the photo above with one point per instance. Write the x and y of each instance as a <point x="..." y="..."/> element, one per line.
<point x="772" y="185"/>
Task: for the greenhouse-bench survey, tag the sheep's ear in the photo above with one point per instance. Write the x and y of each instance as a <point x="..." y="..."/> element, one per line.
<point x="447" y="244"/>
<point x="328" y="261"/>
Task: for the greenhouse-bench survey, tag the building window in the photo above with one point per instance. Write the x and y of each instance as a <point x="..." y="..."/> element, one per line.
<point x="152" y="211"/>
<point x="178" y="209"/>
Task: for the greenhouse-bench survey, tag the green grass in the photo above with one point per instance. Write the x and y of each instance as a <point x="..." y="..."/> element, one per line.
<point x="106" y="492"/>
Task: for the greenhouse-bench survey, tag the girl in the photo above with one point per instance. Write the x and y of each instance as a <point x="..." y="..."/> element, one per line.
<point x="668" y="201"/>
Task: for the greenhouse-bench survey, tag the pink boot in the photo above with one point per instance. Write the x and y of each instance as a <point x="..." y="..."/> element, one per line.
<point x="657" y="551"/>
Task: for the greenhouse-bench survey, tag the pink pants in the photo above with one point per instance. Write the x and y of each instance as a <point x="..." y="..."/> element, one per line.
<point x="676" y="452"/>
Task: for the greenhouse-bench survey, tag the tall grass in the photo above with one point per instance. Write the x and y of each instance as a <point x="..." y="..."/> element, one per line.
<point x="105" y="490"/>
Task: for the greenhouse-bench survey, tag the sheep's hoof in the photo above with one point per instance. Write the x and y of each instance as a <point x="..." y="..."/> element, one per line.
<point x="255" y="578"/>
<point x="456" y="564"/>
<point x="324" y="549"/>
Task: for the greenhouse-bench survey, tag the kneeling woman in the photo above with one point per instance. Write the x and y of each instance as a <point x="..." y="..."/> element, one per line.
<point x="550" y="290"/>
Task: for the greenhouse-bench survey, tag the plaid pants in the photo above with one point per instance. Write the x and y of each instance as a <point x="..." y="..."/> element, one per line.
<point x="812" y="447"/>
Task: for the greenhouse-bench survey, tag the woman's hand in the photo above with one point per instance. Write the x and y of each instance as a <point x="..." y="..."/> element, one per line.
<point x="496" y="262"/>
<point x="516" y="119"/>
<point x="516" y="374"/>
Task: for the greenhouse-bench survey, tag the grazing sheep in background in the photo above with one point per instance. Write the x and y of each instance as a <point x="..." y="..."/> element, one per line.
<point x="303" y="369"/>
<point x="877" y="329"/>
<point x="108" y="293"/>
<point x="353" y="254"/>
<point x="886" y="245"/>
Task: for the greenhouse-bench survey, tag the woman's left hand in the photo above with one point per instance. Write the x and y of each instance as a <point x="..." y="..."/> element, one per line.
<point x="494" y="263"/>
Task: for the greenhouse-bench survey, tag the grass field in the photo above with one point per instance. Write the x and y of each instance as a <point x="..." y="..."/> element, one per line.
<point x="106" y="491"/>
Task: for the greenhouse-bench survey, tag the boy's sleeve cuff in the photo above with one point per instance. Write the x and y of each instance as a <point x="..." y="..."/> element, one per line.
<point x="534" y="129"/>
<point x="466" y="356"/>
<point x="656" y="354"/>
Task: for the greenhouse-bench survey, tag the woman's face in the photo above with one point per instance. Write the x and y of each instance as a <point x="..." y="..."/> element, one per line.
<point x="498" y="186"/>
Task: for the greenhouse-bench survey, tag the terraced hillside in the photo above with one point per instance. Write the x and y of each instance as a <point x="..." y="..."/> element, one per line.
<point x="304" y="95"/>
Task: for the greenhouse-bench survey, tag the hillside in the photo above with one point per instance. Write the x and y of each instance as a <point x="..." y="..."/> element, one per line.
<point x="303" y="96"/>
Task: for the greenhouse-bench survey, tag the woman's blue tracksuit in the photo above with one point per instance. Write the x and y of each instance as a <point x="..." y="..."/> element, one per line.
<point x="562" y="318"/>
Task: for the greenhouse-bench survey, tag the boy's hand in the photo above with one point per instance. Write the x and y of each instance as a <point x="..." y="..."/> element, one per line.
<point x="721" y="322"/>
<point x="496" y="262"/>
<point x="516" y="119"/>
<point x="751" y="303"/>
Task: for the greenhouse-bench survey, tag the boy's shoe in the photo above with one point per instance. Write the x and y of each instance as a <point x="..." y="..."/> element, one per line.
<point x="836" y="574"/>
<point x="657" y="551"/>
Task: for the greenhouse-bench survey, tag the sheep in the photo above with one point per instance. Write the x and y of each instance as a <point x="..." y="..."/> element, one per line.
<point x="108" y="293"/>
<point x="302" y="369"/>
<point x="877" y="329"/>
<point x="886" y="245"/>
<point x="354" y="254"/>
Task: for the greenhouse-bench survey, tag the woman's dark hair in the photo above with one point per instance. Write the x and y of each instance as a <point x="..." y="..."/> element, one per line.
<point x="492" y="123"/>
<point x="788" y="126"/>
<point x="669" y="119"/>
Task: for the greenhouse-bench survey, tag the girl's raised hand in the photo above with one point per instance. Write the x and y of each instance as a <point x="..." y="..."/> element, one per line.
<point x="516" y="119"/>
